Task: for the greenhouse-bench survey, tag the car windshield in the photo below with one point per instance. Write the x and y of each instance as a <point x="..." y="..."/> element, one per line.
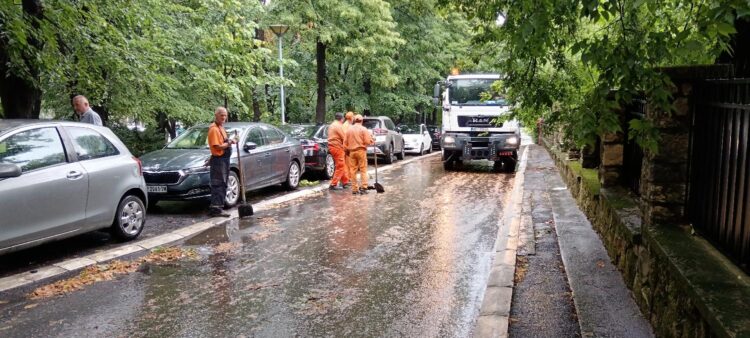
<point x="197" y="138"/>
<point x="371" y="124"/>
<point x="299" y="131"/>
<point x="409" y="129"/>
<point x="468" y="92"/>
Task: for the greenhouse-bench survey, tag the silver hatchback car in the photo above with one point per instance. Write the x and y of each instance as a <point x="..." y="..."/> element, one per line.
<point x="59" y="179"/>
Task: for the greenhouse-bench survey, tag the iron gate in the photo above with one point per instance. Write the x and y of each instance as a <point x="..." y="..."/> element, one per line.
<point x="719" y="186"/>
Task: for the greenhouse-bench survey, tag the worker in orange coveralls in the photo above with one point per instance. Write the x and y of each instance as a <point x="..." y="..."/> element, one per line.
<point x="336" y="138"/>
<point x="356" y="142"/>
<point x="349" y="117"/>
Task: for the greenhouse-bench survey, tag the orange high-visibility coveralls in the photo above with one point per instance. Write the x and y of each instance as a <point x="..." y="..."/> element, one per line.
<point x="348" y="118"/>
<point x="336" y="138"/>
<point x="356" y="142"/>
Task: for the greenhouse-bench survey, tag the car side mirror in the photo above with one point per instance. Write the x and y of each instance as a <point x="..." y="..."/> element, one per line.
<point x="436" y="91"/>
<point x="8" y="170"/>
<point x="249" y="146"/>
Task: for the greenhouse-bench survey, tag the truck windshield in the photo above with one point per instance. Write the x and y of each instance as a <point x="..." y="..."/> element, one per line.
<point x="468" y="92"/>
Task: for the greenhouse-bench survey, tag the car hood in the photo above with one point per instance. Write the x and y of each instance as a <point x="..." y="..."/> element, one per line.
<point x="174" y="159"/>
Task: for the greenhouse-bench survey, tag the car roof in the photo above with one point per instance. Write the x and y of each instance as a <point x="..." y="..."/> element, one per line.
<point x="10" y="124"/>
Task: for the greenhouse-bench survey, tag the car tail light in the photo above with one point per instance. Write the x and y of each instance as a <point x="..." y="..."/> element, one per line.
<point x="314" y="147"/>
<point x="140" y="166"/>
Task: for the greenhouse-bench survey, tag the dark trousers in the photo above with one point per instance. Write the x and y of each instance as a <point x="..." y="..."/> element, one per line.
<point x="219" y="174"/>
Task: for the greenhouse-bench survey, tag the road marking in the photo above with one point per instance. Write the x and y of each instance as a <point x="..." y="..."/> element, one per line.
<point x="494" y="312"/>
<point x="73" y="264"/>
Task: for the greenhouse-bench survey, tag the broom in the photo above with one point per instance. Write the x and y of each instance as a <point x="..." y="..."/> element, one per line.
<point x="244" y="208"/>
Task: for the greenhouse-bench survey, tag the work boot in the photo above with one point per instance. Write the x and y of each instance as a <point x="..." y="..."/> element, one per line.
<point x="346" y="185"/>
<point x="363" y="191"/>
<point x="217" y="212"/>
<point x="334" y="187"/>
<point x="355" y="192"/>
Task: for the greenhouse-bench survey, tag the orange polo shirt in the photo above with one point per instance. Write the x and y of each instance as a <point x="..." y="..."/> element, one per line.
<point x="357" y="137"/>
<point x="216" y="136"/>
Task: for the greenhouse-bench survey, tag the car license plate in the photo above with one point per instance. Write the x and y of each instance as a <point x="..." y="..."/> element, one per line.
<point x="157" y="188"/>
<point x="479" y="129"/>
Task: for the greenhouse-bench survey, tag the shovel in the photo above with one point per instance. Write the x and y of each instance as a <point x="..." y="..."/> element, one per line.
<point x="378" y="187"/>
<point x="244" y="208"/>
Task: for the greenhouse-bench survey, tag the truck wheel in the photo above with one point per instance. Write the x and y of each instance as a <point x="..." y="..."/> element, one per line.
<point x="389" y="155"/>
<point x="510" y="165"/>
<point x="498" y="166"/>
<point x="449" y="165"/>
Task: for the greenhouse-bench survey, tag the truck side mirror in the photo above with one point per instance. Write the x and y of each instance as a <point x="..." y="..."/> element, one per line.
<point x="436" y="91"/>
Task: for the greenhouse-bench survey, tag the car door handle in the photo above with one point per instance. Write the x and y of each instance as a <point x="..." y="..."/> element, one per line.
<point x="74" y="175"/>
<point x="287" y="150"/>
<point x="267" y="155"/>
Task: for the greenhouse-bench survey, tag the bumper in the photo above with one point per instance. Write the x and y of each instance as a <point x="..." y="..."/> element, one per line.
<point x="314" y="163"/>
<point x="492" y="147"/>
<point x="378" y="149"/>
<point x="188" y="187"/>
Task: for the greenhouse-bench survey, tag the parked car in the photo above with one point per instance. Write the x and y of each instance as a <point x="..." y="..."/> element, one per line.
<point x="59" y="179"/>
<point x="417" y="139"/>
<point x="388" y="140"/>
<point x="436" y="134"/>
<point x="314" y="140"/>
<point x="179" y="171"/>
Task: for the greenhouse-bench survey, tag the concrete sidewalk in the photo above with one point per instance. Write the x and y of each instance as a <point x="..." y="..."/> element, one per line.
<point x="603" y="304"/>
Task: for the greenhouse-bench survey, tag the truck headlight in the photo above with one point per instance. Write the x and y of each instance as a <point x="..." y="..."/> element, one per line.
<point x="380" y="138"/>
<point x="449" y="139"/>
<point x="511" y="140"/>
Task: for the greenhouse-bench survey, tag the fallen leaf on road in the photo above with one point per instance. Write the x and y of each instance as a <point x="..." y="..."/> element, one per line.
<point x="104" y="272"/>
<point x="3" y="302"/>
<point x="226" y="247"/>
<point x="30" y="306"/>
<point x="600" y="264"/>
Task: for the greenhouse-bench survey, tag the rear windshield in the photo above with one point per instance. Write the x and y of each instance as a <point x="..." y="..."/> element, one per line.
<point x="299" y="132"/>
<point x="371" y="124"/>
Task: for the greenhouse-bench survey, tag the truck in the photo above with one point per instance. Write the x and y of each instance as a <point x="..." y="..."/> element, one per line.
<point x="475" y="122"/>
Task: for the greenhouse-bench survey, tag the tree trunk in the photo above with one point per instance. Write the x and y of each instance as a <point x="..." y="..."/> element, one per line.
<point x="367" y="87"/>
<point x="20" y="97"/>
<point x="320" y="108"/>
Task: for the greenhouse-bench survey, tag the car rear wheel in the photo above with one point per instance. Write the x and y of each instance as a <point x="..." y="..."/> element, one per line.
<point x="401" y="154"/>
<point x="233" y="190"/>
<point x="421" y="149"/>
<point x="389" y="158"/>
<point x="330" y="167"/>
<point x="292" y="176"/>
<point x="129" y="218"/>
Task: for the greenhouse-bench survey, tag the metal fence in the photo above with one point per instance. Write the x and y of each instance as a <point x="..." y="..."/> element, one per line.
<point x="632" y="152"/>
<point x="719" y="187"/>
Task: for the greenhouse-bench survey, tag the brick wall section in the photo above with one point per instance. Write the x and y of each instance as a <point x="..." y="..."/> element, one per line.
<point x="611" y="162"/>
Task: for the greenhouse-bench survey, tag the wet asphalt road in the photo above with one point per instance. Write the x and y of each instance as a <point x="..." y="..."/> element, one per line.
<point x="413" y="261"/>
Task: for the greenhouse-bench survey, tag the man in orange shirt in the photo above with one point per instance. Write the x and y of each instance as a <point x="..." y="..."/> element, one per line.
<point x="221" y="150"/>
<point x="336" y="138"/>
<point x="356" y="142"/>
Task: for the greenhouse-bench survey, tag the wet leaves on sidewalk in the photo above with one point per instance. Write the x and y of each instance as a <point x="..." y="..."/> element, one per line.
<point x="104" y="272"/>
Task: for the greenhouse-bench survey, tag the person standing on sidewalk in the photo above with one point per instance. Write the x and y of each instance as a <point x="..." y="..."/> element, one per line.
<point x="221" y="150"/>
<point x="336" y="137"/>
<point x="356" y="142"/>
<point x="84" y="111"/>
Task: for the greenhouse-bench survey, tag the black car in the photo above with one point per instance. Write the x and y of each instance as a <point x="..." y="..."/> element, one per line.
<point x="436" y="135"/>
<point x="314" y="141"/>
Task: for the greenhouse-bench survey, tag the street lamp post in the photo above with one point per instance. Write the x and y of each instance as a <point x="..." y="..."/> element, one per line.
<point x="279" y="30"/>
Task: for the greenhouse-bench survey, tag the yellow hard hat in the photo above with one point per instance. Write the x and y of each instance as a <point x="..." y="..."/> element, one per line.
<point x="358" y="117"/>
<point x="349" y="115"/>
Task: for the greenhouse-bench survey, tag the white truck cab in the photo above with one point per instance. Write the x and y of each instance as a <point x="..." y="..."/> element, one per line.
<point x="473" y="124"/>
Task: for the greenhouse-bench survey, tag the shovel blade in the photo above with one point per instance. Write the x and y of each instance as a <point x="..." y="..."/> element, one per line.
<point x="245" y="210"/>
<point x="379" y="188"/>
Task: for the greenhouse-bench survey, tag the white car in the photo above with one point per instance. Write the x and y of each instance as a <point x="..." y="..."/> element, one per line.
<point x="417" y="138"/>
